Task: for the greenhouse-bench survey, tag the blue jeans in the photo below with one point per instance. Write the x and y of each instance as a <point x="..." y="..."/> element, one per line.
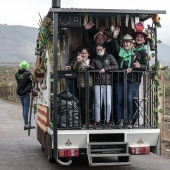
<point x="102" y="94"/>
<point x="119" y="94"/>
<point x="25" y="101"/>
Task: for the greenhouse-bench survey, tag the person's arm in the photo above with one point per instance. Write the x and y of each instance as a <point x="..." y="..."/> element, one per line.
<point x="78" y="63"/>
<point x="86" y="40"/>
<point x="114" y="43"/>
<point x="144" y="60"/>
<point x="29" y="84"/>
<point x="69" y="66"/>
<point x="91" y="65"/>
<point x="72" y="60"/>
<point x="136" y="61"/>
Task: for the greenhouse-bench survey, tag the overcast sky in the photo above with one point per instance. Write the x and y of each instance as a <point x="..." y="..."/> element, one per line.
<point x="25" y="12"/>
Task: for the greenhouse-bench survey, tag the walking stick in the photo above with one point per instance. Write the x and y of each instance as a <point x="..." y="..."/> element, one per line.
<point x="30" y="115"/>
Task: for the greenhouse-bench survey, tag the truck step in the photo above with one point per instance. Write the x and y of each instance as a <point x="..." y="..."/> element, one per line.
<point x="107" y="143"/>
<point x="108" y="153"/>
<point x="109" y="159"/>
<point x="107" y="147"/>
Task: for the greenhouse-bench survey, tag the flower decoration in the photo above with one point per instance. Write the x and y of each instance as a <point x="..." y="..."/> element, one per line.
<point x="162" y="70"/>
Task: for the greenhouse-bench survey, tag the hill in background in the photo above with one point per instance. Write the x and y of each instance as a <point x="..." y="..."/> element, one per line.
<point x="163" y="53"/>
<point x="163" y="57"/>
<point x="17" y="43"/>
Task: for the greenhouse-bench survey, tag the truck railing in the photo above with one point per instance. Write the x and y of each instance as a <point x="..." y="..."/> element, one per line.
<point x="76" y="112"/>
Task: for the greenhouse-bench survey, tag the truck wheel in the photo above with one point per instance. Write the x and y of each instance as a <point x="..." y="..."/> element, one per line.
<point x="51" y="160"/>
<point x="123" y="158"/>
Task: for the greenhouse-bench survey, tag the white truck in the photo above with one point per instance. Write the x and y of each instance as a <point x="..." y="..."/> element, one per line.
<point x="59" y="128"/>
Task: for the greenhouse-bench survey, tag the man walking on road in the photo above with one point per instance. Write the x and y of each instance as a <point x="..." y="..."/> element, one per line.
<point x="24" y="86"/>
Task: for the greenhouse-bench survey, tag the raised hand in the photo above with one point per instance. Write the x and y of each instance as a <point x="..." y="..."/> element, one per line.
<point x="116" y="32"/>
<point x="89" y="26"/>
<point x="79" y="58"/>
<point x="102" y="29"/>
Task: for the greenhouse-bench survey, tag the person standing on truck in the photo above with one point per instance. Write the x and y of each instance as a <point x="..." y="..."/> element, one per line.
<point x="82" y="63"/>
<point x="140" y="38"/>
<point x="103" y="63"/>
<point x="24" y="86"/>
<point x="99" y="37"/>
<point x="126" y="56"/>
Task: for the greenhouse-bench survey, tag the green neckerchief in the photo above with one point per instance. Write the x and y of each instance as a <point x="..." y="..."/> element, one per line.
<point x="126" y="55"/>
<point x="141" y="48"/>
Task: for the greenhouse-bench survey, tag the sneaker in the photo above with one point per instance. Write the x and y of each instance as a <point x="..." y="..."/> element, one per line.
<point x="26" y="127"/>
<point x="83" y="126"/>
<point x="136" y="124"/>
<point x="108" y="124"/>
<point x="129" y="125"/>
<point x="98" y="123"/>
<point x="113" y="123"/>
<point x="92" y="124"/>
<point x="121" y="123"/>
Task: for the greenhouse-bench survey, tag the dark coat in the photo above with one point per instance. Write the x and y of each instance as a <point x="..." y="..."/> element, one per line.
<point x="78" y="66"/>
<point x="144" y="66"/>
<point x="144" y="60"/>
<point x="109" y="63"/>
<point x="24" y="83"/>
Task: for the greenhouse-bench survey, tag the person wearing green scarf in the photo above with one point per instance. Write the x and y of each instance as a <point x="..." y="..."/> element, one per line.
<point x="126" y="57"/>
<point x="140" y="38"/>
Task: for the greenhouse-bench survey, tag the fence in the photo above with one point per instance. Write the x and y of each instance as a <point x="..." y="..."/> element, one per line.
<point x="105" y="100"/>
<point x="9" y="93"/>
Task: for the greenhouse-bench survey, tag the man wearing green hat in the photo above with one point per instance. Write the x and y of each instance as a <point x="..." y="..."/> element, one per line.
<point x="24" y="86"/>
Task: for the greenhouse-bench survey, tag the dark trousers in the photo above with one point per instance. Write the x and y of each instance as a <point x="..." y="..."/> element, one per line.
<point x="85" y="103"/>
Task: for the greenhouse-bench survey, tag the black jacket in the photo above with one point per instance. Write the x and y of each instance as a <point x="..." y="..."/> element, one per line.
<point x="133" y="76"/>
<point x="109" y="63"/>
<point x="24" y="83"/>
<point x="144" y="66"/>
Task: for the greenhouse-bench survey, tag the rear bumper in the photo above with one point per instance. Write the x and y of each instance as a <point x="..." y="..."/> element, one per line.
<point x="80" y="138"/>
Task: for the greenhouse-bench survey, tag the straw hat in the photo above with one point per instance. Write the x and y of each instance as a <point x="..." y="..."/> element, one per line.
<point x="127" y="37"/>
<point x="99" y="33"/>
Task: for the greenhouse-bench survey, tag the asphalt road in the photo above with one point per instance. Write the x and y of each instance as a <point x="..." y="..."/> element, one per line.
<point x="20" y="152"/>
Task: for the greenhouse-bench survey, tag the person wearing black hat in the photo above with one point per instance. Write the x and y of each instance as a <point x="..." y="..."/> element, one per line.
<point x="141" y="40"/>
<point x="126" y="57"/>
<point x="24" y="86"/>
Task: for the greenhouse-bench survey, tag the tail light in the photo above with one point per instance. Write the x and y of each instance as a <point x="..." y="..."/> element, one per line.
<point x="139" y="150"/>
<point x="68" y="152"/>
